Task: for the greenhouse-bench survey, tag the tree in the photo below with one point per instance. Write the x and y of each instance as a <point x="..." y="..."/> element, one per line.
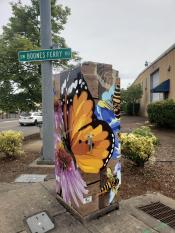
<point x="20" y="83"/>
<point x="20" y="86"/>
<point x="131" y="96"/>
<point x="123" y="95"/>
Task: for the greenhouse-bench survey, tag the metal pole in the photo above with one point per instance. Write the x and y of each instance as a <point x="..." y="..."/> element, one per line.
<point x="47" y="85"/>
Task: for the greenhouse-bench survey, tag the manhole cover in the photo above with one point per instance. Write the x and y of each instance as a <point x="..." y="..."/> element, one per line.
<point x="40" y="223"/>
<point x="30" y="178"/>
<point x="161" y="212"/>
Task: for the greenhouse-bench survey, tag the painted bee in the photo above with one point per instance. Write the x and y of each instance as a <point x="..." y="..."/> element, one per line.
<point x="111" y="183"/>
<point x="116" y="101"/>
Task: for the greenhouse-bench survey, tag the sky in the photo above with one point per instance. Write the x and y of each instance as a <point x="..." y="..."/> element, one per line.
<point x="124" y="33"/>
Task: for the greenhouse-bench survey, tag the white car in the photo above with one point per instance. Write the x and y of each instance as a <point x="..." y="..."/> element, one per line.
<point x="30" y="118"/>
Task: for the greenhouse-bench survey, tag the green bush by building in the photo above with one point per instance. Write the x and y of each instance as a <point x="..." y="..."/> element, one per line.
<point x="132" y="109"/>
<point x="162" y="113"/>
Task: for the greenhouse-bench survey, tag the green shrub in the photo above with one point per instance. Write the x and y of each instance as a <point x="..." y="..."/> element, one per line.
<point x="129" y="109"/>
<point x="162" y="113"/>
<point x="137" y="148"/>
<point x="146" y="132"/>
<point x="123" y="107"/>
<point x="11" y="143"/>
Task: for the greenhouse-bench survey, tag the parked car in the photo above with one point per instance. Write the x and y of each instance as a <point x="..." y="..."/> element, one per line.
<point x="30" y="118"/>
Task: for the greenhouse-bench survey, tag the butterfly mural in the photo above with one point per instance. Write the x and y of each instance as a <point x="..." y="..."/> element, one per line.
<point x="80" y="122"/>
<point x="85" y="142"/>
<point x="108" y="110"/>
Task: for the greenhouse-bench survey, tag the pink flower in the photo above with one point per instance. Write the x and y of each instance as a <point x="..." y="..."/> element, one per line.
<point x="58" y="121"/>
<point x="69" y="182"/>
<point x="68" y="178"/>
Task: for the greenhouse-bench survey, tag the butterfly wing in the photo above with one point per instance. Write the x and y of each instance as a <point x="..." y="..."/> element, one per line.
<point x="91" y="161"/>
<point x="82" y="123"/>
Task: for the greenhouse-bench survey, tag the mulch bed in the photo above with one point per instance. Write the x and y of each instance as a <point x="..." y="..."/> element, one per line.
<point x="11" y="168"/>
<point x="157" y="177"/>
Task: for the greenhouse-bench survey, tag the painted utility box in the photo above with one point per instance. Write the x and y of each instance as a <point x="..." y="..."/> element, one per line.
<point x="87" y="145"/>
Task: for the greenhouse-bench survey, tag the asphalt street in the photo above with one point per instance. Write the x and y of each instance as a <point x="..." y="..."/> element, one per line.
<point x="12" y="124"/>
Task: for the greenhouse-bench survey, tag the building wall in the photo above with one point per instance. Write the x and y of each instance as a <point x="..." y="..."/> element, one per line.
<point x="166" y="66"/>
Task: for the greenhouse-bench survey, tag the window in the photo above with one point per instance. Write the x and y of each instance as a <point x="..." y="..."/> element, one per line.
<point x="37" y="114"/>
<point x="25" y="114"/>
<point x="154" y="81"/>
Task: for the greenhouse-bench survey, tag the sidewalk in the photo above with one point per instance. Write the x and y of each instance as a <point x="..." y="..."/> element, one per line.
<point x="18" y="201"/>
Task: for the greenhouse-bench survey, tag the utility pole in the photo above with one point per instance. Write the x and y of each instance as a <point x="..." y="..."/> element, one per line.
<point x="47" y="84"/>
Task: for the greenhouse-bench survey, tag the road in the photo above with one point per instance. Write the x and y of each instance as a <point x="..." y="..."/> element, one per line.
<point x="14" y="125"/>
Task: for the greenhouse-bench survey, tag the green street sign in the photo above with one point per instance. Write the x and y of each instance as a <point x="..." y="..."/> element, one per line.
<point x="45" y="55"/>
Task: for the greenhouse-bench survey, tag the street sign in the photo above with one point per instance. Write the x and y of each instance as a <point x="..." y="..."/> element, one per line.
<point x="45" y="55"/>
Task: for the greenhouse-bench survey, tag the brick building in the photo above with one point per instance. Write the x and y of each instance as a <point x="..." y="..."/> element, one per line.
<point x="158" y="80"/>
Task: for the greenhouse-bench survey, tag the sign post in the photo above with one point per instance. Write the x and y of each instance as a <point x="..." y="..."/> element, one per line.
<point x="47" y="84"/>
<point x="46" y="55"/>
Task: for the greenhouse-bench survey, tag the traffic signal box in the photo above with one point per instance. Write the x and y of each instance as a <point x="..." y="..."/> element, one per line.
<point x="99" y="78"/>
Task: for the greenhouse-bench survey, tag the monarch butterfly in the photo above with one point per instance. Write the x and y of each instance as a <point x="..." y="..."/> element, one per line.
<point x="80" y="124"/>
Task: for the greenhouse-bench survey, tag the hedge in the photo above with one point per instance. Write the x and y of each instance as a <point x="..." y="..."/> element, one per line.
<point x="162" y="113"/>
<point x="128" y="108"/>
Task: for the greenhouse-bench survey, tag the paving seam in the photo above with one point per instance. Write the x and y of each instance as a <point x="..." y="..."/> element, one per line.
<point x="144" y="223"/>
<point x="41" y="183"/>
<point x="59" y="213"/>
<point x="22" y="231"/>
<point x="94" y="229"/>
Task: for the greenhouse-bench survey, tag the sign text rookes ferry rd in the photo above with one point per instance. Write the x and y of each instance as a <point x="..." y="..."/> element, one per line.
<point x="45" y="55"/>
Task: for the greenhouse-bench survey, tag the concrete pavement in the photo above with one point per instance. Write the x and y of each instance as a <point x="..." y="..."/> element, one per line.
<point x="18" y="201"/>
<point x="12" y="124"/>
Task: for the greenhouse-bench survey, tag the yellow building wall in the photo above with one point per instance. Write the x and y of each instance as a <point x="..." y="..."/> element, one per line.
<point x="166" y="66"/>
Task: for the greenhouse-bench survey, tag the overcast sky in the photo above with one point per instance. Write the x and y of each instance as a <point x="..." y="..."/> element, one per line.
<point x="124" y="33"/>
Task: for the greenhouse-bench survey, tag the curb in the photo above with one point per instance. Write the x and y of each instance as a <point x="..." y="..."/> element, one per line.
<point x="31" y="137"/>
